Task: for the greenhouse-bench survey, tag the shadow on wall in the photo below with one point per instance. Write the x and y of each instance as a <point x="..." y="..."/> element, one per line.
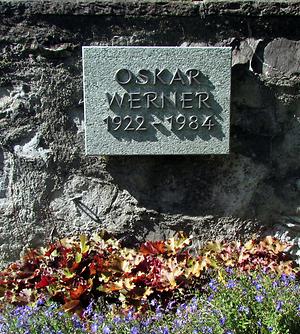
<point x="205" y="185"/>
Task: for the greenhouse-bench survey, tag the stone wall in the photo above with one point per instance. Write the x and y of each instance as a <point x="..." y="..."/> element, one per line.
<point x="49" y="188"/>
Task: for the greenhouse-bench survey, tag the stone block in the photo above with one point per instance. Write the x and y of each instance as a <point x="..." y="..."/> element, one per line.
<point x="157" y="100"/>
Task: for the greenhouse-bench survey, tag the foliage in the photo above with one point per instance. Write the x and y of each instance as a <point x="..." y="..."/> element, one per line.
<point x="75" y="271"/>
<point x="268" y="253"/>
<point x="253" y="303"/>
<point x="234" y="302"/>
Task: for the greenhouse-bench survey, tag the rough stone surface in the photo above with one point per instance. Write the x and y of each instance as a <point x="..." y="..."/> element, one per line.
<point x="46" y="180"/>
<point x="120" y="121"/>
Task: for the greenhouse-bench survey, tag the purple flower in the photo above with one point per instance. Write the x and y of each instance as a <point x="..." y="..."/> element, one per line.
<point x="153" y="302"/>
<point x="207" y="330"/>
<point x="117" y="320"/>
<point x="231" y="284"/>
<point x="129" y="316"/>
<point x="258" y="286"/>
<point x="213" y="285"/>
<point x="76" y="322"/>
<point x="228" y="332"/>
<point x="229" y="270"/>
<point x="94" y="328"/>
<point x="171" y="305"/>
<point x="146" y="323"/>
<point x="279" y="305"/>
<point x="259" y="298"/>
<point x="243" y="308"/>
<point x="134" y="330"/>
<point x="285" y="279"/>
<point x="166" y="330"/>
<point x="106" y="330"/>
<point x="40" y="302"/>
<point x="222" y="321"/>
<point x="178" y="323"/>
<point x="89" y="310"/>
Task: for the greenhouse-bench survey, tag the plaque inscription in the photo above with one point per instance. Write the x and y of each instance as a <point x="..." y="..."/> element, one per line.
<point x="156" y="100"/>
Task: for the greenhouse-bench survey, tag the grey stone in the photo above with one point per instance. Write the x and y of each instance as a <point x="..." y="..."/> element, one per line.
<point x="160" y="135"/>
<point x="281" y="57"/>
<point x="245" y="51"/>
<point x="47" y="181"/>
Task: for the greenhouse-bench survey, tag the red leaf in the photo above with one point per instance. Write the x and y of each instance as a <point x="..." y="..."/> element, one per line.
<point x="153" y="247"/>
<point x="92" y="268"/>
<point x="77" y="292"/>
<point x="50" y="250"/>
<point x="45" y="281"/>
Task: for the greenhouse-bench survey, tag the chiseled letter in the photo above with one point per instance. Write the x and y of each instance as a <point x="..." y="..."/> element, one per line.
<point x="115" y="98"/>
<point x="192" y="75"/>
<point x="151" y="100"/>
<point x="134" y="98"/>
<point x="186" y="97"/>
<point x="203" y="97"/>
<point x="157" y="77"/>
<point x="177" y="77"/>
<point x="123" y="76"/>
<point x="142" y="77"/>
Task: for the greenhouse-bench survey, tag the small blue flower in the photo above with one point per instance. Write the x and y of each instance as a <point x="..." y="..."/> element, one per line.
<point x="270" y="329"/>
<point x="243" y="309"/>
<point x="285" y="279"/>
<point x="134" y="330"/>
<point x="229" y="270"/>
<point x="259" y="298"/>
<point x="171" y="305"/>
<point x="146" y="323"/>
<point x="165" y="330"/>
<point x="231" y="284"/>
<point x="129" y="316"/>
<point x="258" y="286"/>
<point x="117" y="320"/>
<point x="210" y="297"/>
<point x="206" y="330"/>
<point x="106" y="330"/>
<point x="178" y="323"/>
<point x="94" y="328"/>
<point x="279" y="305"/>
<point x="76" y="322"/>
<point x="213" y="285"/>
<point x="89" y="310"/>
<point x="222" y="321"/>
<point x="153" y="302"/>
<point x="40" y="302"/>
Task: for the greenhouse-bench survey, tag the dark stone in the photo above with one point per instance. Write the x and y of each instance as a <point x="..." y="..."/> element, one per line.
<point x="45" y="178"/>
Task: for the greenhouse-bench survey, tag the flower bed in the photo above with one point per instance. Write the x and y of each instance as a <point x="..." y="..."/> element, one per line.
<point x="81" y="285"/>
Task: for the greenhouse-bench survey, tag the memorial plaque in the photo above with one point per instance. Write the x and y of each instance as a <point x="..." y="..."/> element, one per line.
<point x="156" y="100"/>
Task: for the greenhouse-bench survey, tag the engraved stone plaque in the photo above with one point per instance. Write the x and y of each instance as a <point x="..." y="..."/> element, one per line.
<point x="156" y="100"/>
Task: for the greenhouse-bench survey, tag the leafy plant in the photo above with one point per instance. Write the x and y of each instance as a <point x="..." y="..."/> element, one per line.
<point x="268" y="254"/>
<point x="75" y="271"/>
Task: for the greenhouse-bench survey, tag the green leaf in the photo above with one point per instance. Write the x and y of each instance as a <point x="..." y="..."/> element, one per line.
<point x="78" y="257"/>
<point x="84" y="247"/>
<point x="68" y="274"/>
